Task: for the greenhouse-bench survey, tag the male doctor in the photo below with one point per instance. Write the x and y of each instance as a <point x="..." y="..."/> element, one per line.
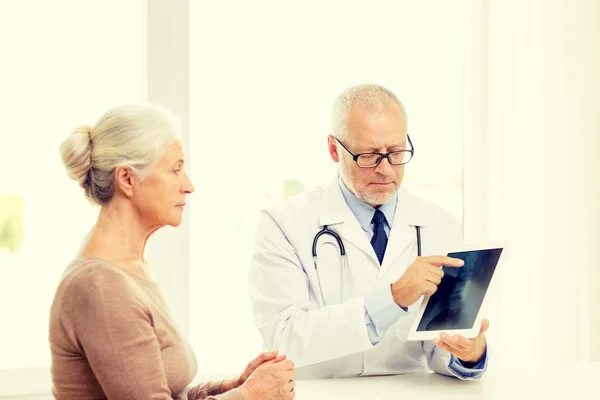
<point x="335" y="320"/>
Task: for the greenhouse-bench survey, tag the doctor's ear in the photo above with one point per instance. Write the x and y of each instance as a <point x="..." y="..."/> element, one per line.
<point x="124" y="180"/>
<point x="332" y="146"/>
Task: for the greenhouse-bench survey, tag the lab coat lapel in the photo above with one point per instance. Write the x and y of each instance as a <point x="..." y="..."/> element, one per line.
<point x="337" y="215"/>
<point x="408" y="215"/>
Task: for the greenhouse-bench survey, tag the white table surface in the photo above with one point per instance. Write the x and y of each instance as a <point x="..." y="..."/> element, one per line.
<point x="570" y="382"/>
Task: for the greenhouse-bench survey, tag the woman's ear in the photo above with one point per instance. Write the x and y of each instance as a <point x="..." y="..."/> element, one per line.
<point x="124" y="180"/>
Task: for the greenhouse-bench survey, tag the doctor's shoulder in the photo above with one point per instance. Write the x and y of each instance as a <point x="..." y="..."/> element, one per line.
<point x="440" y="222"/>
<point x="294" y="217"/>
<point x="435" y="213"/>
<point x="301" y="204"/>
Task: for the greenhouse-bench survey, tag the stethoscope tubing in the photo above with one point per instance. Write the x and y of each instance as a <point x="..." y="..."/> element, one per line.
<point x="326" y="231"/>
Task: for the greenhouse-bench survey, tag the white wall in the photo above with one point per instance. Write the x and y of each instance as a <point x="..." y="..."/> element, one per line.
<point x="58" y="69"/>
<point x="532" y="128"/>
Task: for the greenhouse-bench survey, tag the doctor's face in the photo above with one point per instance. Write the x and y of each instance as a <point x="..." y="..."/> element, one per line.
<point x="372" y="131"/>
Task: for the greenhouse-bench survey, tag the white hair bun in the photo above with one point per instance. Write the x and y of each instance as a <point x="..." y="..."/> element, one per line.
<point x="76" y="153"/>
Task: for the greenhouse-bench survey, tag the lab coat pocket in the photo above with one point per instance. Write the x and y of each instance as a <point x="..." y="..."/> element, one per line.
<point x="329" y="270"/>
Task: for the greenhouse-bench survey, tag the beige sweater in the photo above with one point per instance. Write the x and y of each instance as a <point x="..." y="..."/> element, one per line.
<point x="111" y="337"/>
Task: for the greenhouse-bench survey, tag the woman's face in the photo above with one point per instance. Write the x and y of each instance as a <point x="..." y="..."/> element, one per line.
<point x="161" y="196"/>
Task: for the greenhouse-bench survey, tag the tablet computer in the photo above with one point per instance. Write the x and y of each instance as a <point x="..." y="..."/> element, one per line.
<point x="456" y="306"/>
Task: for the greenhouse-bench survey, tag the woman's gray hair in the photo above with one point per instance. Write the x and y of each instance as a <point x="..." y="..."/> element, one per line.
<point x="133" y="136"/>
<point x="372" y="96"/>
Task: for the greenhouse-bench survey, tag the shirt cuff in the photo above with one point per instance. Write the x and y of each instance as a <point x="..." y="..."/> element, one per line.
<point x="381" y="312"/>
<point x="474" y="372"/>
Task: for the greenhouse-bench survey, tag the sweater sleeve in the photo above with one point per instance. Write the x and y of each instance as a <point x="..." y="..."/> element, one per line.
<point x="213" y="391"/>
<point x="115" y="332"/>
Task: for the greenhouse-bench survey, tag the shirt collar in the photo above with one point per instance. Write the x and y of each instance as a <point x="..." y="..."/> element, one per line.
<point x="364" y="212"/>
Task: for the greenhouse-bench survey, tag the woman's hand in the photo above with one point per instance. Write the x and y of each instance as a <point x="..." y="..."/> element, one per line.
<point x="230" y="384"/>
<point x="271" y="381"/>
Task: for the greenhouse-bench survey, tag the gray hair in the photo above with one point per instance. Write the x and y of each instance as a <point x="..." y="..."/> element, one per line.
<point x="133" y="136"/>
<point x="372" y="96"/>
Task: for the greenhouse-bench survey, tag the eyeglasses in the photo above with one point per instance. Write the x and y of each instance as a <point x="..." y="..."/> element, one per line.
<point x="371" y="160"/>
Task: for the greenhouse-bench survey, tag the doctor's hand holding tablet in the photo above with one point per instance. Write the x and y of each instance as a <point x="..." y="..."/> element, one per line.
<point x="455" y="307"/>
<point x="422" y="279"/>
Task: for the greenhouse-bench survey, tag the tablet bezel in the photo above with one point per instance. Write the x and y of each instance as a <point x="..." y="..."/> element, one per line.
<point x="414" y="335"/>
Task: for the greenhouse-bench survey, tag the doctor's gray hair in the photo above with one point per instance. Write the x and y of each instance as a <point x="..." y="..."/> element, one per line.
<point x="372" y="96"/>
<point x="133" y="136"/>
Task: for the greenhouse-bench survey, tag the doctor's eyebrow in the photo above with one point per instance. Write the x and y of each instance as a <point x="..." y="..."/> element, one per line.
<point x="367" y="150"/>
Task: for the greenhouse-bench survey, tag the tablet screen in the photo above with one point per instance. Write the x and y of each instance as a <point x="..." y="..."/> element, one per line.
<point x="460" y="293"/>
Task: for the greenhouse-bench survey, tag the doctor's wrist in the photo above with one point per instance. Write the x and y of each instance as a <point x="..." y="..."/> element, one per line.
<point x="397" y="296"/>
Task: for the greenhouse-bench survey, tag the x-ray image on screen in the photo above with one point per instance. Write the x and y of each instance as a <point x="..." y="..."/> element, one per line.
<point x="460" y="293"/>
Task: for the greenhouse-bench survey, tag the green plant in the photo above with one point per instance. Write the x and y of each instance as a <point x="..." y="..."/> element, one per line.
<point x="11" y="222"/>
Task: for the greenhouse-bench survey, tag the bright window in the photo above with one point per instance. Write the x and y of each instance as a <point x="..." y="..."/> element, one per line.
<point x="63" y="63"/>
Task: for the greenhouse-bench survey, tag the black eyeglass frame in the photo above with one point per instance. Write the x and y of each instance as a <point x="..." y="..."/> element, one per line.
<point x="381" y="155"/>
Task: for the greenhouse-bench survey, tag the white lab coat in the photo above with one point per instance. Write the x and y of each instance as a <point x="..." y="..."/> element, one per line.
<point x="325" y="337"/>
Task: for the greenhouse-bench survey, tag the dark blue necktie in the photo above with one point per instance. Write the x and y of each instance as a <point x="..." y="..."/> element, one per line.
<point x="379" y="239"/>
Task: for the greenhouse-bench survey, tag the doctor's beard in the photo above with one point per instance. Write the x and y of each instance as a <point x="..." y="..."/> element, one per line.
<point x="372" y="197"/>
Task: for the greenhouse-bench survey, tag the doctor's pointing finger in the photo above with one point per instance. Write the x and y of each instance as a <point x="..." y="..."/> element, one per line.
<point x="421" y="279"/>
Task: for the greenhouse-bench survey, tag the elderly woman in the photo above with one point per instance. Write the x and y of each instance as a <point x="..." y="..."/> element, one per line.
<point x="111" y="334"/>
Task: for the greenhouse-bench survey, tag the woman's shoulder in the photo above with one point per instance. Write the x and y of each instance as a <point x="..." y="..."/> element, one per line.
<point x="93" y="295"/>
<point x="89" y="277"/>
<point x="87" y="270"/>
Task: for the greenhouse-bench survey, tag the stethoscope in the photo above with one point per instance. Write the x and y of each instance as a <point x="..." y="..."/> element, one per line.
<point x="340" y="243"/>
